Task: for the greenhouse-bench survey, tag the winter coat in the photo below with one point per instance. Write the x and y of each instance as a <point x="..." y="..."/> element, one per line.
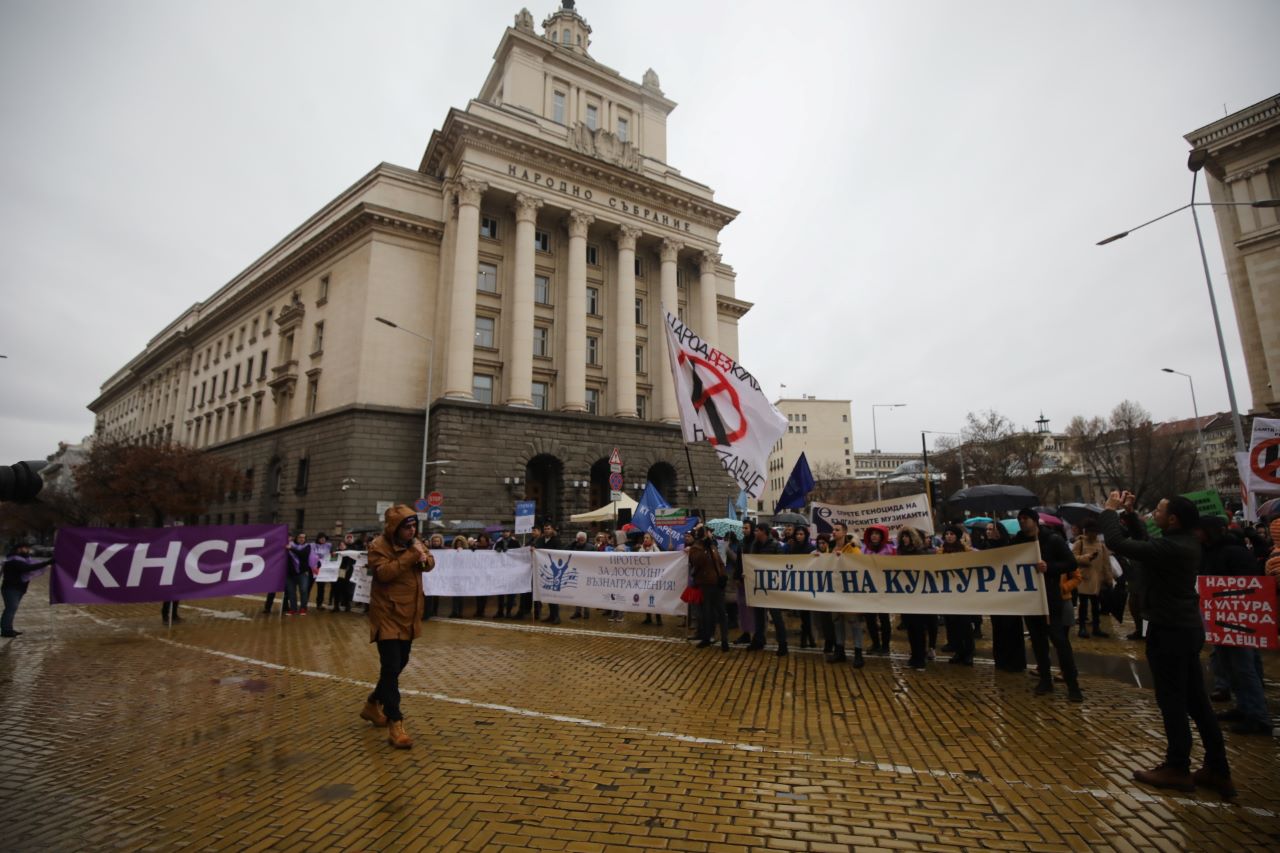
<point x="704" y="564"/>
<point x="1056" y="554"/>
<point x="395" y="597"/>
<point x="19" y="569"/>
<point x="299" y="558"/>
<point x="1095" y="574"/>
<point x="1169" y="568"/>
<point x="886" y="541"/>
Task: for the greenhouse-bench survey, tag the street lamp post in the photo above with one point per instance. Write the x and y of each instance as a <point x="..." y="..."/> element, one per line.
<point x="1204" y="459"/>
<point x="426" y="416"/>
<point x="875" y="438"/>
<point x="959" y="451"/>
<point x="1195" y="162"/>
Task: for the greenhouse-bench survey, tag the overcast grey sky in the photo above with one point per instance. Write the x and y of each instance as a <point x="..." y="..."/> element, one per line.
<point x="921" y="183"/>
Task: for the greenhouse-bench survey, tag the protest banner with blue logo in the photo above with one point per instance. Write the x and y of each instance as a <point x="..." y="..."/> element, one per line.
<point x="525" y="511"/>
<point x="635" y="581"/>
<point x="93" y="565"/>
<point x="669" y="537"/>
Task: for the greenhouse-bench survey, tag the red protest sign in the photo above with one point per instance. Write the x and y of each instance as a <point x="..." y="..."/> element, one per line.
<point x="1239" y="611"/>
<point x="1264" y="462"/>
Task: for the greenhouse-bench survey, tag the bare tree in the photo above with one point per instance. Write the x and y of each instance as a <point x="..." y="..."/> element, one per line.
<point x="1128" y="451"/>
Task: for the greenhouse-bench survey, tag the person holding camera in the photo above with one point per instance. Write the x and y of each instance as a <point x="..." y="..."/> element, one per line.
<point x="710" y="578"/>
<point x="397" y="560"/>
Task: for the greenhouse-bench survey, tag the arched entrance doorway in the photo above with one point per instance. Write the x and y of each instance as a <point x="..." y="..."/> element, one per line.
<point x="599" y="492"/>
<point x="663" y="477"/>
<point x="544" y="485"/>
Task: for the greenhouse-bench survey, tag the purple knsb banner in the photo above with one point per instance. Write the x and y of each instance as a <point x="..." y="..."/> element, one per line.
<point x="97" y="565"/>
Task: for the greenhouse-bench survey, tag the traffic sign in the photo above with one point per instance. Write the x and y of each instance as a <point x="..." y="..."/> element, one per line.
<point x="615" y="481"/>
<point x="1263" y="461"/>
<point x="421" y="504"/>
<point x="615" y="458"/>
<point x="435" y="513"/>
<point x="435" y="499"/>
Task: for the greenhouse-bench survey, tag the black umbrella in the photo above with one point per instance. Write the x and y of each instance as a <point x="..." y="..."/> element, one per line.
<point x="790" y="518"/>
<point x="992" y="499"/>
<point x="1076" y="513"/>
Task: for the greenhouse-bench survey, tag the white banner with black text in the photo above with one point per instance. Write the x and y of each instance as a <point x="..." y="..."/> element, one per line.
<point x="635" y="581"/>
<point x="999" y="581"/>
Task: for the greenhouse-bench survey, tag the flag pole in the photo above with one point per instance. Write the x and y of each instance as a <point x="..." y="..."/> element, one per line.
<point x="692" y="479"/>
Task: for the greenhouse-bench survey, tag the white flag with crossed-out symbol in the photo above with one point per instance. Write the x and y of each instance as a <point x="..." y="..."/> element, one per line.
<point x="721" y="402"/>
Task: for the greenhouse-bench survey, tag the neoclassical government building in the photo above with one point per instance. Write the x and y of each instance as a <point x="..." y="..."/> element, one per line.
<point x="524" y="265"/>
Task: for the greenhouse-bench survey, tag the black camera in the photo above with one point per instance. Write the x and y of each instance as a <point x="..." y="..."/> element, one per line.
<point x="21" y="482"/>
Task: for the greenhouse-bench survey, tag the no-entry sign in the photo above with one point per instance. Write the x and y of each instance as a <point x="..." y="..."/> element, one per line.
<point x="435" y="499"/>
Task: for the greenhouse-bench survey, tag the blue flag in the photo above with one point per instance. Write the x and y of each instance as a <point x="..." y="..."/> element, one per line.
<point x="668" y="538"/>
<point x="799" y="484"/>
<point x="729" y="513"/>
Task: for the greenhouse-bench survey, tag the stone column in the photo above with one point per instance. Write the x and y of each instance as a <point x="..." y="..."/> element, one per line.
<point x="519" y="356"/>
<point x="708" y="316"/>
<point x="573" y="389"/>
<point x="623" y="377"/>
<point x="662" y="383"/>
<point x="462" y="308"/>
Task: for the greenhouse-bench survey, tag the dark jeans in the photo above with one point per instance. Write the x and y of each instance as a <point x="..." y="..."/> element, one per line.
<point x="342" y="592"/>
<point x="1042" y="634"/>
<point x="321" y="586"/>
<point x="482" y="601"/>
<point x="12" y="594"/>
<point x="881" y="627"/>
<point x="713" y="613"/>
<point x="779" y="626"/>
<point x="393" y="655"/>
<point x="1007" y="645"/>
<point x="1135" y="609"/>
<point x="922" y="634"/>
<point x="1174" y="657"/>
<point x="296" y="590"/>
<point x="960" y="635"/>
<point x="1087" y="603"/>
<point x="167" y="608"/>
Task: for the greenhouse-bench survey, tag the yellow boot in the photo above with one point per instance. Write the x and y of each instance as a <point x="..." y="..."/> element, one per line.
<point x="373" y="713"/>
<point x="397" y="736"/>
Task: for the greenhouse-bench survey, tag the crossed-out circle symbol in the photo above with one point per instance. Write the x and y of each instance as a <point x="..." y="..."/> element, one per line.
<point x="1269" y="471"/>
<point x="703" y="399"/>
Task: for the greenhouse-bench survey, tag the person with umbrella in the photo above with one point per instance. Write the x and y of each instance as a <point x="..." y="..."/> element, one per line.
<point x="1056" y="560"/>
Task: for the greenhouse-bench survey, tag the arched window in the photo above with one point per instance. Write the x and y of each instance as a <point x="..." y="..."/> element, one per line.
<point x="663" y="477"/>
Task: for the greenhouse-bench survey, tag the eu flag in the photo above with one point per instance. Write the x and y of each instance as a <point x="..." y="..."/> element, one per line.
<point x="799" y="484"/>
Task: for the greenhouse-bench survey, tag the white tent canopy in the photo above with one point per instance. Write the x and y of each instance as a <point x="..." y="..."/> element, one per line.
<point x="607" y="512"/>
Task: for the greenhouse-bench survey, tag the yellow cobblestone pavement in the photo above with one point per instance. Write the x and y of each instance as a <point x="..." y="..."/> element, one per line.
<point x="233" y="730"/>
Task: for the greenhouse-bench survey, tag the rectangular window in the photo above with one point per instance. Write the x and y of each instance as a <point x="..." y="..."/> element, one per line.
<point x="202" y="390"/>
<point x="237" y="379"/>
<point x="593" y="116"/>
<point x="489" y="227"/>
<point x="262" y="366"/>
<point x="482" y="388"/>
<point x="542" y="289"/>
<point x="225" y="375"/>
<point x="313" y="394"/>
<point x="639" y="267"/>
<point x="248" y="371"/>
<point x="540" y="395"/>
<point x="593" y="401"/>
<point x="300" y="520"/>
<point x="639" y="358"/>
<point x="542" y="241"/>
<point x="240" y="340"/>
<point x="304" y="475"/>
<point x="248" y="483"/>
<point x="557" y="107"/>
<point x="193" y="396"/>
<point x="266" y="327"/>
<point x="844" y="418"/>
<point x="487" y="278"/>
<point x="253" y="336"/>
<point x="318" y="345"/>
<point x="642" y="406"/>
<point x="593" y="301"/>
<point x="540" y="344"/>
<point x="593" y="255"/>
<point x="624" y="130"/>
<point x="324" y="290"/>
<point x="639" y="311"/>
<point x="593" y="351"/>
<point x="484" y="332"/>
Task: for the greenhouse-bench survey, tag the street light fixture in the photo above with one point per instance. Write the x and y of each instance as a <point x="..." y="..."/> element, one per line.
<point x="1204" y="459"/>
<point x="875" y="438"/>
<point x="959" y="451"/>
<point x="426" y="416"/>
<point x="1195" y="162"/>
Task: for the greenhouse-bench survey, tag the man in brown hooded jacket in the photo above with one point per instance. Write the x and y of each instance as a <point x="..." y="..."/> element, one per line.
<point x="397" y="560"/>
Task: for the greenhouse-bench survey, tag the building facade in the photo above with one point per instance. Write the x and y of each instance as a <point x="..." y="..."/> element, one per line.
<point x="1241" y="155"/>
<point x="820" y="429"/>
<point x="513" y="285"/>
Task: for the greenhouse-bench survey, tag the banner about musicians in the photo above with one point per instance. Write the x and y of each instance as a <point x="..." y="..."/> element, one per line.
<point x="998" y="581"/>
<point x="635" y="581"/>
<point x="894" y="513"/>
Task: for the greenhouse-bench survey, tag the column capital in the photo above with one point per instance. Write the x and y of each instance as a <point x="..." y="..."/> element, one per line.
<point x="670" y="251"/>
<point x="707" y="261"/>
<point x="468" y="191"/>
<point x="526" y="207"/>
<point x="626" y="235"/>
<point x="579" y="221"/>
